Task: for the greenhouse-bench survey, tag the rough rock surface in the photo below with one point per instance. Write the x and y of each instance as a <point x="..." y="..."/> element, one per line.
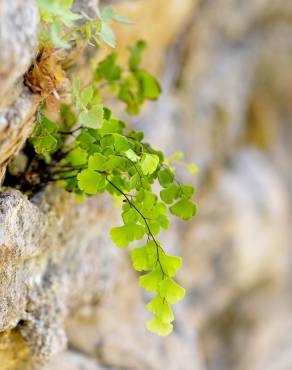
<point x="227" y="86"/>
<point x="18" y="41"/>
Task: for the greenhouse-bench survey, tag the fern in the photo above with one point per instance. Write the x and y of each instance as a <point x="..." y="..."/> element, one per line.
<point x="89" y="151"/>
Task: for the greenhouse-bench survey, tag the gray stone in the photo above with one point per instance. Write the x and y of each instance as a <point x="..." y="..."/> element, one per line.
<point x="18" y="40"/>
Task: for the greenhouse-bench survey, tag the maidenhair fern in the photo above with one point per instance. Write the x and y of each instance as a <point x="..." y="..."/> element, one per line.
<point x="89" y="151"/>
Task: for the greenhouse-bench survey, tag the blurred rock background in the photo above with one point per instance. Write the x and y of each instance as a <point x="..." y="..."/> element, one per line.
<point x="68" y="298"/>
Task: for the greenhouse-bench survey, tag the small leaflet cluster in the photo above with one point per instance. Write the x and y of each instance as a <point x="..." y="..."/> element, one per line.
<point x="89" y="151"/>
<point x="57" y="15"/>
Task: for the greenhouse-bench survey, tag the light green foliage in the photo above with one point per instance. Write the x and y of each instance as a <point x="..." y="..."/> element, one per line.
<point x="144" y="258"/>
<point x="106" y="159"/>
<point x="184" y="208"/>
<point x="133" y="87"/>
<point x="149" y="163"/>
<point x="171" y="291"/>
<point x="123" y="235"/>
<point x="45" y="137"/>
<point x="57" y="16"/>
<point x="161" y="308"/>
<point x="90" y="181"/>
<point x="77" y="157"/>
<point x="92" y="117"/>
<point x="108" y="69"/>
<point x="90" y="151"/>
<point x="136" y="55"/>
<point x="61" y="9"/>
<point x="157" y="326"/>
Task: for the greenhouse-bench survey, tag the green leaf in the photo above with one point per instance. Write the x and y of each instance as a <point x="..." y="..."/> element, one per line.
<point x="135" y="181"/>
<point x="169" y="194"/>
<point x="144" y="258"/>
<point x="77" y="157"/>
<point x="163" y="221"/>
<point x="136" y="55"/>
<point x="45" y="144"/>
<point x="55" y="32"/>
<point x="114" y="162"/>
<point x="121" y="143"/>
<point x="107" y="13"/>
<point x="45" y="126"/>
<point x="136" y="135"/>
<point x="149" y="163"/>
<point x="107" y="35"/>
<point x="45" y="136"/>
<point x="107" y="142"/>
<point x="60" y="8"/>
<point x="154" y="227"/>
<point x="123" y="235"/>
<point x="156" y="326"/>
<point x="129" y="94"/>
<point x="119" y="235"/>
<point x="90" y="181"/>
<point x="151" y="280"/>
<point x="149" y="199"/>
<point x="165" y="178"/>
<point x="132" y="155"/>
<point x="97" y="162"/>
<point x="159" y="209"/>
<point x="186" y="191"/>
<point x="170" y="264"/>
<point x="93" y="118"/>
<point x="109" y="69"/>
<point x="107" y="113"/>
<point x="85" y="140"/>
<point x="130" y="216"/>
<point x="161" y="308"/>
<point x="184" y="209"/>
<point x="112" y="126"/>
<point x="149" y="86"/>
<point x="171" y="291"/>
<point x="86" y="95"/>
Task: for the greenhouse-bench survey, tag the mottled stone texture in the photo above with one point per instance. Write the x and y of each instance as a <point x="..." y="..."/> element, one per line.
<point x="68" y="298"/>
<point x="18" y="41"/>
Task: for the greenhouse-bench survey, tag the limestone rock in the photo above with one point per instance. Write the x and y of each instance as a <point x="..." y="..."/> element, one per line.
<point x="18" y="41"/>
<point x="36" y="269"/>
<point x="50" y="272"/>
<point x="227" y="103"/>
<point x="16" y="124"/>
<point x="72" y="361"/>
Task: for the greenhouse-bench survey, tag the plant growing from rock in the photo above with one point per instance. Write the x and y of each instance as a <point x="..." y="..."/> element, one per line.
<point x="89" y="151"/>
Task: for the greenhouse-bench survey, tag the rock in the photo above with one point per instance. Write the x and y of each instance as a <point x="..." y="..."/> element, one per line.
<point x="18" y="41"/>
<point x="37" y="271"/>
<point x="45" y="266"/>
<point x="224" y="245"/>
<point x="72" y="361"/>
<point x="227" y="104"/>
<point x="16" y="124"/>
